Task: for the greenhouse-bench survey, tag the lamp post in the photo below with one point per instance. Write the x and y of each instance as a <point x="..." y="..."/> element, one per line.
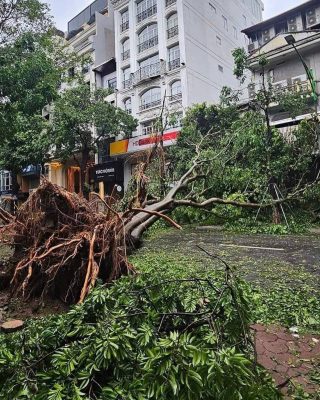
<point x="290" y="39"/>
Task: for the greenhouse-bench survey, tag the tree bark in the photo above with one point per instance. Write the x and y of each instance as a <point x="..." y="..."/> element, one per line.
<point x="83" y="170"/>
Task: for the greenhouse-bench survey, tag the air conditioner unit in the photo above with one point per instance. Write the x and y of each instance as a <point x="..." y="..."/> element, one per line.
<point x="252" y="91"/>
<point x="252" y="47"/>
<point x="313" y="17"/>
<point x="266" y="35"/>
<point x="293" y="24"/>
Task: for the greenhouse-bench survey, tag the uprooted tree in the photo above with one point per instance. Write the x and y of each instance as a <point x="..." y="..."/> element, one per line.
<point x="63" y="243"/>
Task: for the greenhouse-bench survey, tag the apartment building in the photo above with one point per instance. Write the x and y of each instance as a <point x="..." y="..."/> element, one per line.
<point x="172" y="54"/>
<point x="291" y="43"/>
<point x="91" y="35"/>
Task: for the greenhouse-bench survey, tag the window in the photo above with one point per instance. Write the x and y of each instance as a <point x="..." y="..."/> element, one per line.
<point x="151" y="98"/>
<point x="71" y="72"/>
<point x="172" y="26"/>
<point x="220" y="67"/>
<point x="148" y="128"/>
<point x="145" y="9"/>
<point x="174" y="57"/>
<point x="225" y="22"/>
<point x="175" y="120"/>
<point x="112" y="84"/>
<point x="126" y="74"/>
<point x="219" y="41"/>
<point x="5" y="181"/>
<point x="125" y="50"/>
<point x="124" y="21"/>
<point x="176" y="90"/>
<point x="149" y="67"/>
<point x="148" y="37"/>
<point x="85" y="69"/>
<point x="128" y="105"/>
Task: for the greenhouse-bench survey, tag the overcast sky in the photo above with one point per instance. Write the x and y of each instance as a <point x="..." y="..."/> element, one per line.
<point x="64" y="10"/>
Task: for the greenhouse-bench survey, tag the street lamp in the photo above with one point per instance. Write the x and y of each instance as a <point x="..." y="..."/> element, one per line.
<point x="290" y="39"/>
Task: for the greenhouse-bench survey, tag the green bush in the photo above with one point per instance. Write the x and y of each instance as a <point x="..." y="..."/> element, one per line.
<point x="159" y="335"/>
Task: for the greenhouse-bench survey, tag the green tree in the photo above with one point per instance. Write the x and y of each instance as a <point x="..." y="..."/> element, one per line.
<point x="29" y="80"/>
<point x="82" y="121"/>
<point x="21" y="16"/>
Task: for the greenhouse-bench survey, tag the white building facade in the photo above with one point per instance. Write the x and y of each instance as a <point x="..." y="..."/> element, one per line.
<point x="172" y="54"/>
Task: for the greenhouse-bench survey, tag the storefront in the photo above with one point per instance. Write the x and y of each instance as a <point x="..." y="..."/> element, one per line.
<point x="108" y="179"/>
<point x="127" y="147"/>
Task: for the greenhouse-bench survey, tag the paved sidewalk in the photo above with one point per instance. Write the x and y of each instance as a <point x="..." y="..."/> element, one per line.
<point x="291" y="359"/>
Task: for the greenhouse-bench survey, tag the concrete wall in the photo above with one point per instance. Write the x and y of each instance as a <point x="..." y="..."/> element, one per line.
<point x="212" y="30"/>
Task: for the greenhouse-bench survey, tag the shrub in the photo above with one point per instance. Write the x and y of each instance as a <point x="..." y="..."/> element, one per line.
<point x="152" y="336"/>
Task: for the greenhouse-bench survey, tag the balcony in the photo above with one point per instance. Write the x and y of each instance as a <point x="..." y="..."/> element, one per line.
<point x="151" y="104"/>
<point x="125" y="55"/>
<point x="124" y="26"/>
<point x="149" y="71"/>
<point x="147" y="44"/>
<point x="170" y="2"/>
<point x="175" y="97"/>
<point x="172" y="32"/>
<point x="148" y="130"/>
<point x="302" y="87"/>
<point x="147" y="13"/>
<point x="174" y="64"/>
<point x="127" y="83"/>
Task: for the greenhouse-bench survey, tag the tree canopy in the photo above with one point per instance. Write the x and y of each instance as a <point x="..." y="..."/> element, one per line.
<point x="29" y="80"/>
<point x="82" y="120"/>
<point x="21" y="16"/>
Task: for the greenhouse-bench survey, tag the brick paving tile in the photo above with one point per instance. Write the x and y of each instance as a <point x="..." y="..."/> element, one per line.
<point x="277" y="347"/>
<point x="267" y="362"/>
<point x="267" y="337"/>
<point x="288" y="358"/>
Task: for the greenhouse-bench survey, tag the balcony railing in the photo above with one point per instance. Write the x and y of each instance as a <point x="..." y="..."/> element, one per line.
<point x="148" y="130"/>
<point x="172" y="32"/>
<point x="147" y="44"/>
<point x="147" y="13"/>
<point x="303" y="88"/>
<point x="125" y="55"/>
<point x="124" y="26"/>
<point x="170" y="2"/>
<point x="127" y="83"/>
<point x="146" y="106"/>
<point x="148" y="71"/>
<point x="175" y="97"/>
<point x="174" y="64"/>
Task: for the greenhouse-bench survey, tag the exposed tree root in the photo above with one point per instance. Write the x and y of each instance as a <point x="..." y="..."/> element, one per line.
<point x="63" y="244"/>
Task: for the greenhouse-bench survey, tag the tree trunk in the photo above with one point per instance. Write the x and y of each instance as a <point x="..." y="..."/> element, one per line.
<point x="83" y="170"/>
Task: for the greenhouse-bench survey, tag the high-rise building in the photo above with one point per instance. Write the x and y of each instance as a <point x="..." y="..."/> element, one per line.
<point x="172" y="54"/>
<point x="291" y="43"/>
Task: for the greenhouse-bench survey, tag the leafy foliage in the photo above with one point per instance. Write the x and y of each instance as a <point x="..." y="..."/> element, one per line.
<point x="20" y="16"/>
<point x="28" y="81"/>
<point x="76" y="112"/>
<point x="145" y="337"/>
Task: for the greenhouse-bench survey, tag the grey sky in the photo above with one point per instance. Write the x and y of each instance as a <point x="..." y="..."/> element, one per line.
<point x="64" y="10"/>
